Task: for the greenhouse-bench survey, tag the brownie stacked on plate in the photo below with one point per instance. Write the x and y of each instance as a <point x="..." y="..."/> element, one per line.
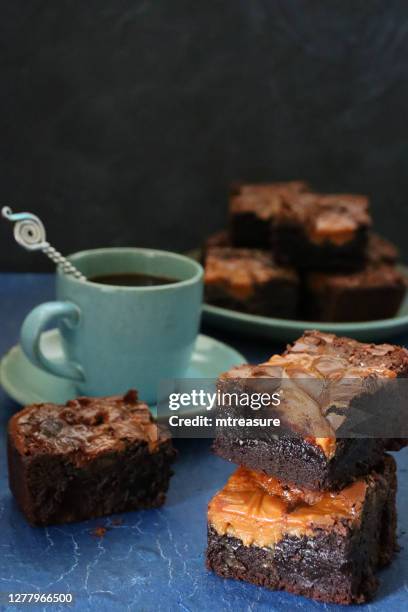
<point x="310" y="514"/>
<point x="290" y="251"/>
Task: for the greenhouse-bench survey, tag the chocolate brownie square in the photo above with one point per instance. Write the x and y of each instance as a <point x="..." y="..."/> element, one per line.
<point x="89" y="458"/>
<point x="252" y="208"/>
<point x="380" y="250"/>
<point x="374" y="292"/>
<point x="326" y="546"/>
<point x="327" y="382"/>
<point x="315" y="231"/>
<point x="249" y="280"/>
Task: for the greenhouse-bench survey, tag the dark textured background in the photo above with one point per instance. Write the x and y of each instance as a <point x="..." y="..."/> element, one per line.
<point x="122" y="122"/>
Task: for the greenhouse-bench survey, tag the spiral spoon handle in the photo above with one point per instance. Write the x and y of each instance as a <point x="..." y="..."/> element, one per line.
<point x="29" y="232"/>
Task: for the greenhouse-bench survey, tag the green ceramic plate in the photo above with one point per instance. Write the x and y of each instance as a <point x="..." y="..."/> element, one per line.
<point x="286" y="330"/>
<point x="27" y="384"/>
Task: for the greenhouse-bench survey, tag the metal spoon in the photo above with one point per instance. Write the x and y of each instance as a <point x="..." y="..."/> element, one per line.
<point x="29" y="232"/>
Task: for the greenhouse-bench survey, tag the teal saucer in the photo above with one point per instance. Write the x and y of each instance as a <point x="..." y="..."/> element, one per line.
<point x="26" y="384"/>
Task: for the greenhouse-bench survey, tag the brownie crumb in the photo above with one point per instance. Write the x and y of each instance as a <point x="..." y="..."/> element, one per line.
<point x="99" y="532"/>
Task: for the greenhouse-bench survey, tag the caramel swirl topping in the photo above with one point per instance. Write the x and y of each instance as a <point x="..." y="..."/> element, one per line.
<point x="319" y="375"/>
<point x="259" y="510"/>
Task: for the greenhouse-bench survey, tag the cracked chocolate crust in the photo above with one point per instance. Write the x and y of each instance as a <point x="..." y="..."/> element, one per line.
<point x="335" y="565"/>
<point x="360" y="354"/>
<point x="67" y="463"/>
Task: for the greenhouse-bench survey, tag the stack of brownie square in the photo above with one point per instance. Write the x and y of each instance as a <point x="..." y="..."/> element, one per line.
<point x="292" y="252"/>
<point x="310" y="515"/>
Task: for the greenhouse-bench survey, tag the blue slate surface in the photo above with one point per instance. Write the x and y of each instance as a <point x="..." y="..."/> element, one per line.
<point x="153" y="560"/>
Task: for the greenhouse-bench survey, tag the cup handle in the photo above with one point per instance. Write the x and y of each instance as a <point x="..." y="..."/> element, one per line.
<point x="36" y="323"/>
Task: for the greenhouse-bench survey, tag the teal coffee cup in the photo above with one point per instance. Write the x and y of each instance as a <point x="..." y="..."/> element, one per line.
<point x="119" y="337"/>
